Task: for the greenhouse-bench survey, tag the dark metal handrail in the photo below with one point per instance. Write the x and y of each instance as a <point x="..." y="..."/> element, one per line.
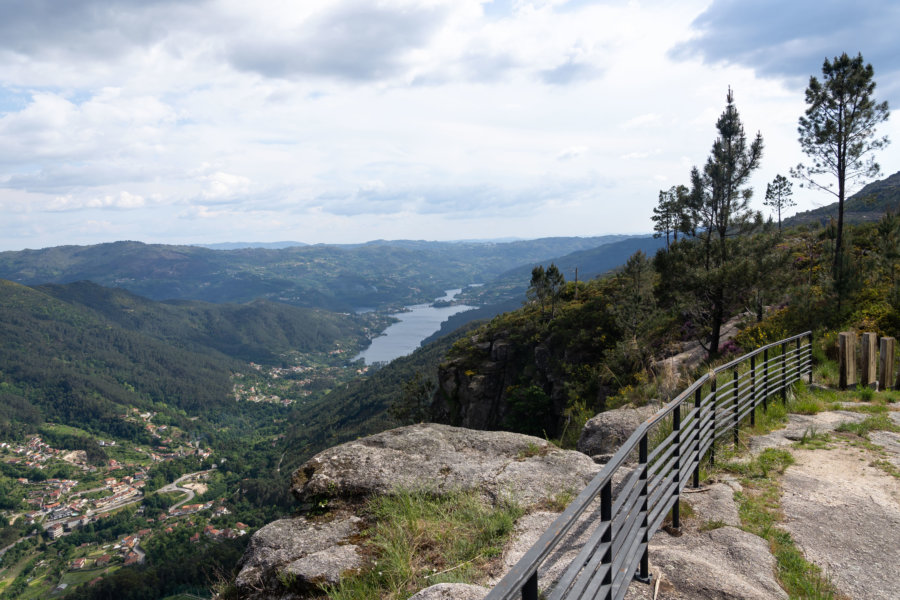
<point x="616" y="550"/>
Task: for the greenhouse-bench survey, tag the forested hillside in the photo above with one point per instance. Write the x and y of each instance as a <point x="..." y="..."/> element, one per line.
<point x="868" y="204"/>
<point x="83" y="354"/>
<point x="259" y="331"/>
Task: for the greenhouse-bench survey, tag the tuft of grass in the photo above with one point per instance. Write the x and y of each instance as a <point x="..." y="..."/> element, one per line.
<point x="559" y="501"/>
<point x="710" y="525"/>
<point x="827" y="372"/>
<point x="806" y="404"/>
<point x="813" y="440"/>
<point x="865" y="393"/>
<point x="773" y="417"/>
<point x="419" y="539"/>
<point x="888" y="467"/>
<point x="872" y="409"/>
<point x="767" y="461"/>
<point x="877" y="422"/>
<point x="532" y="449"/>
<point x="890" y="396"/>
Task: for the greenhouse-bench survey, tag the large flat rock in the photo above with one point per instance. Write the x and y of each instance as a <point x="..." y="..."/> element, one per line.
<point x="722" y="564"/>
<point x="844" y="514"/>
<point x="441" y="459"/>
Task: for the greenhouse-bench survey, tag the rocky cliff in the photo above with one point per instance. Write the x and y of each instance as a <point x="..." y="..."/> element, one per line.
<point x="520" y="377"/>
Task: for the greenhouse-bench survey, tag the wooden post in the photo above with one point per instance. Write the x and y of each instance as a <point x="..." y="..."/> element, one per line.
<point x="886" y="368"/>
<point x="868" y="375"/>
<point x="847" y="359"/>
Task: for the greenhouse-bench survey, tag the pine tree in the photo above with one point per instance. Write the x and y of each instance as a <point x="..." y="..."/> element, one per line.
<point x="721" y="201"/>
<point x="837" y="132"/>
<point x="778" y="196"/>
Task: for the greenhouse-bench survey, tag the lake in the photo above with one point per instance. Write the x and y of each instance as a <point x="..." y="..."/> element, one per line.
<point x="416" y="324"/>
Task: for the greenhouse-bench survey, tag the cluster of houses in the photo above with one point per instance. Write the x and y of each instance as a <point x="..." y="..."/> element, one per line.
<point x="228" y="533"/>
<point x="189" y="509"/>
<point x="125" y="549"/>
<point x="162" y="433"/>
<point x="34" y="453"/>
<point x="51" y="498"/>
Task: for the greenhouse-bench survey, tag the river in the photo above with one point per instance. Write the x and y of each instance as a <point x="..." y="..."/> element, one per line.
<point x="416" y="323"/>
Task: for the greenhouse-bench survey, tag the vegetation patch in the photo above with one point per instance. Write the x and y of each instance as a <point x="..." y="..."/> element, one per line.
<point x="877" y="422"/>
<point x="814" y="440"/>
<point x="418" y="539"/>
<point x="559" y="501"/>
<point x="532" y="449"/>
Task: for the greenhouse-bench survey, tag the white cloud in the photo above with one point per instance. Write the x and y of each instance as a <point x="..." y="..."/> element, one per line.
<point x="221" y="185"/>
<point x="571" y="152"/>
<point x="121" y="201"/>
<point x="641" y="121"/>
<point x="223" y="119"/>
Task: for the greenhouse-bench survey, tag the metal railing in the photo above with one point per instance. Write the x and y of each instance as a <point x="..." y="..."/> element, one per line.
<point x="634" y="500"/>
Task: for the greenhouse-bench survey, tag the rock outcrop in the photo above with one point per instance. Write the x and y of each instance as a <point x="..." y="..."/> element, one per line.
<point x="289" y="557"/>
<point x="440" y="458"/>
<point x="606" y="432"/>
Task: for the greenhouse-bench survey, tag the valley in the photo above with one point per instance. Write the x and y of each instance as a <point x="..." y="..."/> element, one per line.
<point x="143" y="437"/>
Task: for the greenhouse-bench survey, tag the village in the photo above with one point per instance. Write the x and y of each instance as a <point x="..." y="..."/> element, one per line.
<point x="74" y="510"/>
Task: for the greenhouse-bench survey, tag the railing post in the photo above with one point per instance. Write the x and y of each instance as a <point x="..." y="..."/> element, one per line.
<point x="643" y="574"/>
<point x="698" y="399"/>
<point x="753" y="391"/>
<point x="676" y="508"/>
<point x="766" y="379"/>
<point x="810" y="357"/>
<point x="712" y="449"/>
<point x="737" y="407"/>
<point x="530" y="589"/>
<point x="797" y="360"/>
<point x="784" y="371"/>
<point x="606" y="520"/>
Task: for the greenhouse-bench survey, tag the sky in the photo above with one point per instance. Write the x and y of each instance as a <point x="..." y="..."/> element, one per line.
<point x="343" y="121"/>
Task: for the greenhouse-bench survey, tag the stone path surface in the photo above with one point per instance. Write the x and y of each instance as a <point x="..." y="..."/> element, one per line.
<point x="841" y="509"/>
<point x="844" y="514"/>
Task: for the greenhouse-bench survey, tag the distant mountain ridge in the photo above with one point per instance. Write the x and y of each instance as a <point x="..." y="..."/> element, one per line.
<point x="242" y="245"/>
<point x="868" y="204"/>
<point x="593" y="262"/>
<point x="377" y="274"/>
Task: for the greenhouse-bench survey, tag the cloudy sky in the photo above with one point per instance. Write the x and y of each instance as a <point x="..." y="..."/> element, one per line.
<point x="203" y="121"/>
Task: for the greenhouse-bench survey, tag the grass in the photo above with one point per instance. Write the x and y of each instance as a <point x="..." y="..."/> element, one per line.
<point x="418" y="539"/>
<point x="532" y="449"/>
<point x="813" y="440"/>
<point x="711" y="525"/>
<point x="559" y="501"/>
<point x="76" y="578"/>
<point x="876" y="422"/>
